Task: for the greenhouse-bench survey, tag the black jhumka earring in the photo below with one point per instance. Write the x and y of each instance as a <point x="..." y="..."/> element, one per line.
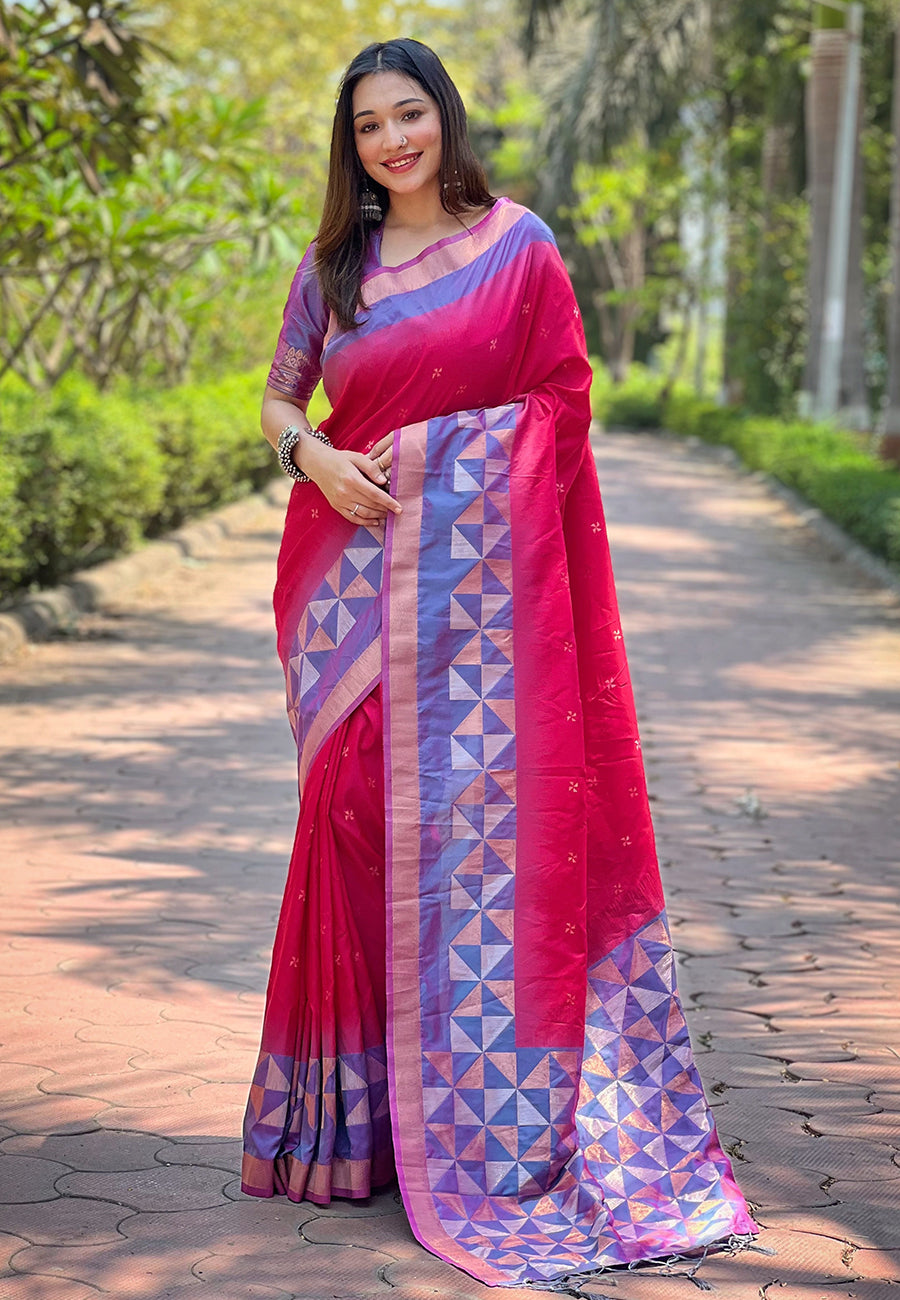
<point x="369" y="206"/>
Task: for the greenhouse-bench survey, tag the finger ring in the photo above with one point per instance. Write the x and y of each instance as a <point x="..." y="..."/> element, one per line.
<point x="355" y="508"/>
<point x="381" y="466"/>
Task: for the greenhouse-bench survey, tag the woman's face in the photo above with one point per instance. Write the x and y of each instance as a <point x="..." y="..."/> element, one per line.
<point x="388" y="109"/>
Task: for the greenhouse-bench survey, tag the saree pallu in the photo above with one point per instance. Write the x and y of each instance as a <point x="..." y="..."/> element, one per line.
<point x="546" y="1113"/>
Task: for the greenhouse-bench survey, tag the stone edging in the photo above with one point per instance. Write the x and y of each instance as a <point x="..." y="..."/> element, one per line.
<point x="45" y="613"/>
<point x="835" y="539"/>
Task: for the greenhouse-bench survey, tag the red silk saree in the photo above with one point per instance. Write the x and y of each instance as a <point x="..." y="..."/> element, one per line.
<point x="473" y="980"/>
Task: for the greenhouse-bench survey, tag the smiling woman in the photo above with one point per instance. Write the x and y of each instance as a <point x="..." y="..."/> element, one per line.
<point x="472" y="982"/>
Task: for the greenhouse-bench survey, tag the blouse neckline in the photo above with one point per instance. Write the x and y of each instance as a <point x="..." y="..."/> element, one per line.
<point x="438" y="243"/>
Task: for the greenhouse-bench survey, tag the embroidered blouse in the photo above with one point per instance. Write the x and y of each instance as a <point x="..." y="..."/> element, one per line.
<point x="296" y="366"/>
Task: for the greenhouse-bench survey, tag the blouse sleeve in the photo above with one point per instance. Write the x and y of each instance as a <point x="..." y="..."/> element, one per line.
<point x="296" y="366"/>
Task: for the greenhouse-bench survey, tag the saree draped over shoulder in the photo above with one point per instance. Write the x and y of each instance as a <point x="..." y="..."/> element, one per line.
<point x="473" y="979"/>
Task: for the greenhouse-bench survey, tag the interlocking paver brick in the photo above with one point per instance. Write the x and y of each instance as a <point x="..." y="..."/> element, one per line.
<point x="175" y="1187"/>
<point x="758" y="1124"/>
<point x="823" y="1222"/>
<point x="881" y="1265"/>
<point x="20" y="1079"/>
<point x="786" y="1047"/>
<point x="466" y="1290"/>
<point x="429" y="1274"/>
<point x="128" y="1086"/>
<point x="867" y="1193"/>
<point x="712" y="1020"/>
<point x="216" y="1155"/>
<point x="354" y="1270"/>
<point x="854" y="1122"/>
<point x="862" y="1225"/>
<point x="153" y="835"/>
<point x="172" y="1041"/>
<point x="240" y="1291"/>
<point x="861" y="1290"/>
<point x="385" y="1202"/>
<point x="67" y="1221"/>
<point x="781" y="1186"/>
<point x="35" y="1287"/>
<point x="116" y="1269"/>
<point x="52" y="996"/>
<point x="39" y="1112"/>
<point x="24" y="1178"/>
<point x="869" y="1069"/>
<point x="846" y="1160"/>
<point x="390" y="1233"/>
<point x="806" y="1096"/>
<point x="98" y="1150"/>
<point x="242" y="1227"/>
<point x="207" y="1068"/>
<point x="642" y="1286"/>
<point x="889" y="1101"/>
<point x="170" y="1121"/>
<point x="68" y="1055"/>
<point x="9" y="1246"/>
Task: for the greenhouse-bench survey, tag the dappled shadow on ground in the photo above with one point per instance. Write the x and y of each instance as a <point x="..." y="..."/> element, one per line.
<point x="148" y="804"/>
<point x="149" y="789"/>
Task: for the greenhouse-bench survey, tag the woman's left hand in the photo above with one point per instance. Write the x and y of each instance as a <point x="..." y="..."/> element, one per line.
<point x="383" y="454"/>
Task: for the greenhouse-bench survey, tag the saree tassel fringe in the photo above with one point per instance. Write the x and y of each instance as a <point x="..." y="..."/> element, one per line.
<point x="572" y="1284"/>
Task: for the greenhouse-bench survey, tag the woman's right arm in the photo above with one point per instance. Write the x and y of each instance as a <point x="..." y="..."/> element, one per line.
<point x="347" y="479"/>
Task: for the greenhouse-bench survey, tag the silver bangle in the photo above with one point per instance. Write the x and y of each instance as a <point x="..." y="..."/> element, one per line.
<point x="287" y="440"/>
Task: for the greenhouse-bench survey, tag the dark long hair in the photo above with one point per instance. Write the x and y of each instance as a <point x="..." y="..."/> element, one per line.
<point x="344" y="233"/>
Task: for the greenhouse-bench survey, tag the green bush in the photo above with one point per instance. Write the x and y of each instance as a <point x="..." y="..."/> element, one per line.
<point x="85" y="472"/>
<point x="12" y="525"/>
<point x="827" y="466"/>
<point x="690" y="415"/>
<point x="85" y="475"/>
<point x="211" y="433"/>
<point x="636" y="403"/>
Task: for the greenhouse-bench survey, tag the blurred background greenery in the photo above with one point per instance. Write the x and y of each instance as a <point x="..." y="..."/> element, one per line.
<point x="162" y="167"/>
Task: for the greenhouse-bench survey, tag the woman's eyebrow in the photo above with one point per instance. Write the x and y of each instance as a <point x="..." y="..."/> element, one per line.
<point x="364" y="112"/>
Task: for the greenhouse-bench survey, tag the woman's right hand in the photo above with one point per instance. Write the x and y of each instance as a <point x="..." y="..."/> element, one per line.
<point x="348" y="480"/>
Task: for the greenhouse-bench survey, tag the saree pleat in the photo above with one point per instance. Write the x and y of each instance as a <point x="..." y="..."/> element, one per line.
<point x="318" y="1122"/>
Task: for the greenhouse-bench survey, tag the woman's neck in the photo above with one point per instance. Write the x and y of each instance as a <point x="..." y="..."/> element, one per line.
<point x="419" y="211"/>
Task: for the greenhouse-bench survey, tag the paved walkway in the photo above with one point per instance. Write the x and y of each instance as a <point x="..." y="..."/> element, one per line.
<point x="147" y="811"/>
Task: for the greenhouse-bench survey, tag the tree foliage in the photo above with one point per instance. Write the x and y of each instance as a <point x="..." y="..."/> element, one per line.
<point x="120" y="225"/>
<point x="71" y="86"/>
<point x="162" y="168"/>
<point x="625" y="218"/>
<point x="119" y="278"/>
<point x="734" y="76"/>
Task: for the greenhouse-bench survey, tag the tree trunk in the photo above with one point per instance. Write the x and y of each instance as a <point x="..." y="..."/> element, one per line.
<point x="776" y="165"/>
<point x="732" y="325"/>
<point x="733" y="383"/>
<point x="890" y="441"/>
<point x="823" y="106"/>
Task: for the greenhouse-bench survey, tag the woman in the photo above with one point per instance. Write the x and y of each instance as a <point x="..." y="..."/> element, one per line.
<point x="469" y="760"/>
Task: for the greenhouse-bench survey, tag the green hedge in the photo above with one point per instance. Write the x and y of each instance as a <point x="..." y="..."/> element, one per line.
<point x="827" y="466"/>
<point x="84" y="475"/>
